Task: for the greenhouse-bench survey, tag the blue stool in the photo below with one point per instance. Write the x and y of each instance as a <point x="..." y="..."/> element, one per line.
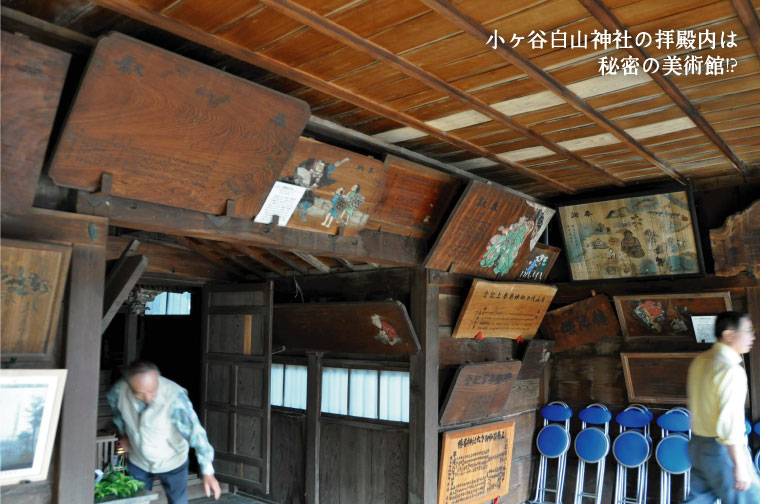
<point x="672" y="452"/>
<point x="632" y="449"/>
<point x="592" y="444"/>
<point x="757" y="455"/>
<point x="553" y="442"/>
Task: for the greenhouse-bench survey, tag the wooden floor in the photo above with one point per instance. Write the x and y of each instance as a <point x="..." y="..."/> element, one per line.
<point x="226" y="499"/>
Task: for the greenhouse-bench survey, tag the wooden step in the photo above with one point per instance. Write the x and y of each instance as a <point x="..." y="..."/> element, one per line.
<point x="194" y="489"/>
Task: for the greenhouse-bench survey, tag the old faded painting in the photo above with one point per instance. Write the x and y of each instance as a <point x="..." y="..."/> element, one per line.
<point x="341" y="187"/>
<point x="641" y="236"/>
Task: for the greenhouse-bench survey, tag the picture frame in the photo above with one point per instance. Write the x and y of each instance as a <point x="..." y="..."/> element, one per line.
<point x="31" y="400"/>
<point x="656" y="377"/>
<point x="666" y="316"/>
<point x="651" y="234"/>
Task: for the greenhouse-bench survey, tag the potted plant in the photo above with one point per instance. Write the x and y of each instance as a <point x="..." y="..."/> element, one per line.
<point x="116" y="485"/>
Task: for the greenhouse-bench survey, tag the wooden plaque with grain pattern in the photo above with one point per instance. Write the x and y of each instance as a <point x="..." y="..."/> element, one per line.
<point x="657" y="378"/>
<point x="170" y="130"/>
<point x="475" y="464"/>
<point x="736" y="245"/>
<point x="536" y="265"/>
<point x="488" y="233"/>
<point x="479" y="391"/>
<point x="580" y="323"/>
<point x="32" y="78"/>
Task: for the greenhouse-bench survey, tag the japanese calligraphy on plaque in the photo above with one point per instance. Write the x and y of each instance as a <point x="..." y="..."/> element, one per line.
<point x="580" y="323"/>
<point x="503" y="310"/>
<point x="475" y="464"/>
<point x="479" y="391"/>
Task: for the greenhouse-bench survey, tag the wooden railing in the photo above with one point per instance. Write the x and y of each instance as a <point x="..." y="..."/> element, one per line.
<point x="105" y="449"/>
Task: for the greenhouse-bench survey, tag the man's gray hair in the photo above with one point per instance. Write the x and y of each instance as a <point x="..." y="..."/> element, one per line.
<point x="139" y="367"/>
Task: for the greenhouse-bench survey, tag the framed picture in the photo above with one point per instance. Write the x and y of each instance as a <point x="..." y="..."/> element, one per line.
<point x="656" y="378"/>
<point x="656" y="316"/>
<point x="645" y="235"/>
<point x="31" y="400"/>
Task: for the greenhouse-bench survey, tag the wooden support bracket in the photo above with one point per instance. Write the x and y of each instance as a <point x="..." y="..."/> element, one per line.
<point x="118" y="285"/>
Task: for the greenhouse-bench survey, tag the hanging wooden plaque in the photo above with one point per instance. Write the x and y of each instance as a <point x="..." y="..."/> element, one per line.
<point x="736" y="245"/>
<point x="479" y="391"/>
<point x="170" y="130"/>
<point x="580" y="323"/>
<point x="489" y="231"/>
<point x="475" y="464"/>
<point x="535" y="266"/>
<point x="32" y="78"/>
<point x="342" y="187"/>
<point x="503" y="310"/>
<point x="658" y="378"/>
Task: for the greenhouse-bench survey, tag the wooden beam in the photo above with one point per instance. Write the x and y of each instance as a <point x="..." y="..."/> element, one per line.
<point x="300" y="268"/>
<point x="118" y="285"/>
<point x="209" y="40"/>
<point x="348" y="264"/>
<point x="54" y="226"/>
<point x="351" y="39"/>
<point x="259" y="257"/>
<point x="79" y="415"/>
<point x="478" y="31"/>
<point x="612" y="24"/>
<point x="423" y="383"/>
<point x="366" y="245"/>
<point x="130" y="338"/>
<point x="753" y="308"/>
<point x="316" y="263"/>
<point x="748" y="16"/>
<point x="194" y="246"/>
<point x="313" y="408"/>
<point x="223" y="252"/>
<point x="46" y="33"/>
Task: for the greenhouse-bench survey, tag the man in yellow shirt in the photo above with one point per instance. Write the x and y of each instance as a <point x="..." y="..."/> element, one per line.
<point x="717" y="390"/>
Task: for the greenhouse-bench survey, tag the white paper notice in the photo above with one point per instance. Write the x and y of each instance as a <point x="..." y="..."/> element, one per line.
<point x="704" y="328"/>
<point x="282" y="202"/>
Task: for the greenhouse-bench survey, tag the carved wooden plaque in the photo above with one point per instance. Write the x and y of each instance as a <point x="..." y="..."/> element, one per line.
<point x="475" y="464"/>
<point x="32" y="78"/>
<point x="535" y="266"/>
<point x="580" y="323"/>
<point x="33" y="283"/>
<point x="658" y="378"/>
<point x="414" y="198"/>
<point x="503" y="310"/>
<point x="488" y="232"/>
<point x="479" y="391"/>
<point x="173" y="131"/>
<point x="736" y="245"/>
<point x="378" y="327"/>
<point x="342" y="187"/>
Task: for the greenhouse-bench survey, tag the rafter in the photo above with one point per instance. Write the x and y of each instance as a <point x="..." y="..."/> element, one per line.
<point x="319" y="265"/>
<point x="351" y="39"/>
<point x="260" y="258"/>
<point x="145" y="15"/>
<point x="300" y="268"/>
<point x="612" y="23"/>
<point x="230" y="255"/>
<point x="194" y="246"/>
<point x="747" y="14"/>
<point x="468" y="25"/>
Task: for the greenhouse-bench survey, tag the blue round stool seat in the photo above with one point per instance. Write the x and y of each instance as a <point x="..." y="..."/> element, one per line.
<point x="592" y="445"/>
<point x="595" y="415"/>
<point x="556" y="412"/>
<point x="633" y="418"/>
<point x="747" y="427"/>
<point x="757" y="460"/>
<point x="672" y="454"/>
<point x="553" y="440"/>
<point x="631" y="449"/>
<point x="675" y="421"/>
<point x="757" y="428"/>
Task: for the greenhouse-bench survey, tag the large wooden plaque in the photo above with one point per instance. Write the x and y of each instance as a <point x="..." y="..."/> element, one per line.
<point x="173" y="131"/>
<point x="580" y="323"/>
<point x="488" y="232"/>
<point x="503" y="310"/>
<point x="33" y="283"/>
<point x="32" y="78"/>
<point x="414" y="198"/>
<point x="342" y="187"/>
<point x="736" y="245"/>
<point x="479" y="391"/>
<point x="475" y="464"/>
<point x="658" y="378"/>
<point x="377" y="327"/>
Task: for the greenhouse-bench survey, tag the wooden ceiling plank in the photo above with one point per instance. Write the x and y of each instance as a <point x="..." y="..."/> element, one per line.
<point x="748" y="16"/>
<point x="260" y="258"/>
<point x="526" y="65"/>
<point x="316" y="263"/>
<point x="338" y="32"/>
<point x="129" y="9"/>
<point x="612" y="23"/>
<point x="194" y="246"/>
<point x="300" y="268"/>
<point x="223" y="252"/>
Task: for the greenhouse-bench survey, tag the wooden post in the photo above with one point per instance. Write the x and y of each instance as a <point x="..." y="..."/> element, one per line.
<point x="423" y="381"/>
<point x="79" y="415"/>
<point x="313" y="407"/>
<point x="130" y="338"/>
<point x="753" y="308"/>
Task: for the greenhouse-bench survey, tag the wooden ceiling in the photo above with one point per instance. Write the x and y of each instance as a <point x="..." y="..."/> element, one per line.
<point x="419" y="74"/>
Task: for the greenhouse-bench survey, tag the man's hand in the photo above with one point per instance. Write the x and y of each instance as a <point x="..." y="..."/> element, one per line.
<point x="742" y="480"/>
<point x="211" y="484"/>
<point x="124" y="444"/>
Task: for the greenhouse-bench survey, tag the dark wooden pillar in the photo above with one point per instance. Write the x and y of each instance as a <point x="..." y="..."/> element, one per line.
<point x="79" y="414"/>
<point x="753" y="308"/>
<point x="423" y="377"/>
<point x="130" y="338"/>
<point x="313" y="407"/>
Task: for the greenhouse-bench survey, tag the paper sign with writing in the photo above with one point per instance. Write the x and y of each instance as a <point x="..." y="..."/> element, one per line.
<point x="580" y="323"/>
<point x="282" y="201"/>
<point x="475" y="464"/>
<point x="704" y="328"/>
<point x="503" y="310"/>
<point x="479" y="391"/>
